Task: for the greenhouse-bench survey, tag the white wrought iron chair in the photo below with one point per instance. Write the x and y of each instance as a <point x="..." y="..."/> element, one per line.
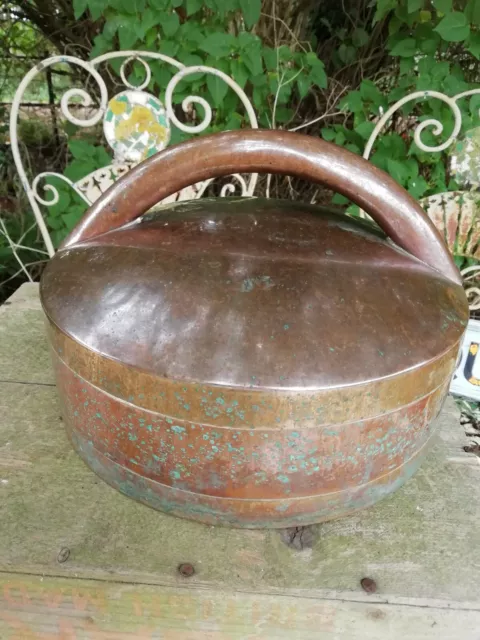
<point x="136" y="124"/>
<point x="456" y="214"/>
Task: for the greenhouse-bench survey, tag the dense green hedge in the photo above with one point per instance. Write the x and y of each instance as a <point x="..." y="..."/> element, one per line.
<point x="420" y="45"/>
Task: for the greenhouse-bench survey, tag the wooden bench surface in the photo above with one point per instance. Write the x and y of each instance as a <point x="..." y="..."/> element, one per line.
<point x="421" y="545"/>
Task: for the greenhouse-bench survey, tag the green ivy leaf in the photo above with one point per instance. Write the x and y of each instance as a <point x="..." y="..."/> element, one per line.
<point x="158" y="5"/>
<point x="453" y="185"/>
<point x="259" y="97"/>
<point x="412" y="167"/>
<point x="70" y="128"/>
<point x="474" y="45"/>
<point x="414" y="5"/>
<point x="443" y="6"/>
<point x="317" y="74"/>
<point x="430" y="45"/>
<point x="127" y="34"/>
<point x="81" y="149"/>
<point x="346" y="53"/>
<point x="454" y="85"/>
<point x="439" y="69"/>
<point x="393" y="145"/>
<point x="417" y="187"/>
<point x="102" y="158"/>
<point x="235" y="121"/>
<point x="79" y="7"/>
<point x="472" y="12"/>
<point x="246" y="40"/>
<point x="226" y="6"/>
<point x="176" y="3"/>
<point x="405" y="48"/>
<point x="101" y="45"/>
<point x="148" y="20"/>
<point x="352" y="101"/>
<point x="475" y="105"/>
<point x="123" y="6"/>
<point x="303" y="85"/>
<point x="217" y="45"/>
<point x="151" y="38"/>
<point x="383" y="8"/>
<point x="251" y="11"/>
<point x="239" y="72"/>
<point x="193" y="6"/>
<point x="71" y="218"/>
<point x="438" y="177"/>
<point x="111" y="25"/>
<point x="270" y="58"/>
<point x="191" y="32"/>
<point x="252" y="58"/>
<point x="169" y="47"/>
<point x="394" y="25"/>
<point x="406" y="65"/>
<point x="397" y="170"/>
<point x="339" y="199"/>
<point x="170" y="23"/>
<point x="359" y="37"/>
<point x="353" y="210"/>
<point x="425" y="65"/>
<point x="192" y="60"/>
<point x="161" y="73"/>
<point x="402" y="14"/>
<point x="328" y="134"/>
<point x="64" y="200"/>
<point x="354" y="148"/>
<point x="453" y="27"/>
<point x="369" y="91"/>
<point x="365" y="129"/>
<point x="78" y="169"/>
<point x="218" y="89"/>
<point x="285" y="53"/>
<point x="284" y="114"/>
<point x="54" y="222"/>
<point x="258" y="81"/>
<point x="178" y="136"/>
<point x="96" y="7"/>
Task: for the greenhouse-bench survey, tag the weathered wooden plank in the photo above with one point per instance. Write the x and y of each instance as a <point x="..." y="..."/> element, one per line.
<point x="419" y="544"/>
<point x="24" y="353"/>
<point x="70" y="609"/>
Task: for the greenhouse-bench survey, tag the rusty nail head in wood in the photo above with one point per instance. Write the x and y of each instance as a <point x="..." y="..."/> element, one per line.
<point x="63" y="554"/>
<point x="368" y="585"/>
<point x="186" y="569"/>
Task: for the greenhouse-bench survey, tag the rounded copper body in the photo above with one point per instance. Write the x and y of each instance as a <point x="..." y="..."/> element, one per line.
<point x="249" y="362"/>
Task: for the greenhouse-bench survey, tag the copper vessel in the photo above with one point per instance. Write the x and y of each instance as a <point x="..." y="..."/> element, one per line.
<point x="252" y="362"/>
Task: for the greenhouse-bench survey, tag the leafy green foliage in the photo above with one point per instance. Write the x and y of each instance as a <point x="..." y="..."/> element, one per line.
<point x="251" y="11"/>
<point x="454" y="27"/>
<point x="422" y="38"/>
<point x="196" y="33"/>
<point x="188" y="28"/>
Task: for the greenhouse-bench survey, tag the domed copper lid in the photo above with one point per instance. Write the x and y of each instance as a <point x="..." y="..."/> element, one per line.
<point x="254" y="293"/>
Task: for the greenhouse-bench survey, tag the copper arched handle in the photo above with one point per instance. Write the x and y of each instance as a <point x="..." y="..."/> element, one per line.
<point x="252" y="151"/>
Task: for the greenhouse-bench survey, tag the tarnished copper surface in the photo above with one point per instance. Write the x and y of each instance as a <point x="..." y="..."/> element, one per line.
<point x="256" y="405"/>
<point x="250" y="362"/>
